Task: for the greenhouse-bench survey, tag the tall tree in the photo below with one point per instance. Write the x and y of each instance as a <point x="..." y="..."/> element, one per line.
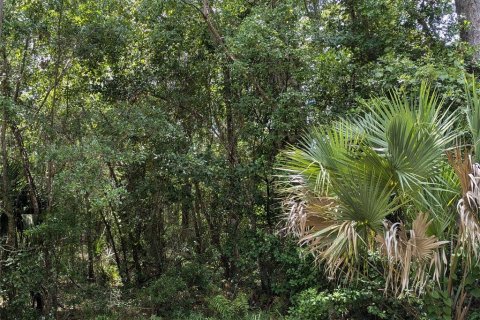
<point x="468" y="12"/>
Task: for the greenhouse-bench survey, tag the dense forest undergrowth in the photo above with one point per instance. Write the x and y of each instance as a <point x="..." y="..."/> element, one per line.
<point x="147" y="159"/>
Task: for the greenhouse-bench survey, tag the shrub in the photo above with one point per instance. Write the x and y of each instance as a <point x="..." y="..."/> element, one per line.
<point x="224" y="308"/>
<point x="349" y="303"/>
<point x="167" y="295"/>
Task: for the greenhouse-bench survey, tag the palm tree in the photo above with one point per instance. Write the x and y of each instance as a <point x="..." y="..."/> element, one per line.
<point x="391" y="182"/>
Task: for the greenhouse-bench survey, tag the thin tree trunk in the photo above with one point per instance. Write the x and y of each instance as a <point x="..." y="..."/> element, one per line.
<point x="160" y="244"/>
<point x="89" y="238"/>
<point x="186" y="206"/>
<point x="197" y="222"/>
<point x="234" y="218"/>
<point x="136" y="257"/>
<point x="90" y="252"/>
<point x="26" y="168"/>
<point x="111" y="239"/>
<point x="123" y="244"/>
<point x="7" y="205"/>
<point x="1" y="20"/>
<point x="116" y="220"/>
<point x="14" y="128"/>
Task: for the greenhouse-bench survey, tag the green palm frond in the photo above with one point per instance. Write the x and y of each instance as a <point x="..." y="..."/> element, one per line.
<point x="473" y="115"/>
<point x="413" y="153"/>
<point x="322" y="152"/>
<point x="345" y="181"/>
<point x="426" y="109"/>
<point x="364" y="197"/>
<point x="411" y="133"/>
<point x="440" y="200"/>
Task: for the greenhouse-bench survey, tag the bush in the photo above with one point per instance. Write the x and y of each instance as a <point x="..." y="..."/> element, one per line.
<point x="22" y="274"/>
<point x="167" y="295"/>
<point x="224" y="308"/>
<point x="348" y="303"/>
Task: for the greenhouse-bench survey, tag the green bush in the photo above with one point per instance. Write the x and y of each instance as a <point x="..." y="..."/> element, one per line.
<point x="343" y="304"/>
<point x="22" y="274"/>
<point x="224" y="308"/>
<point x="167" y="295"/>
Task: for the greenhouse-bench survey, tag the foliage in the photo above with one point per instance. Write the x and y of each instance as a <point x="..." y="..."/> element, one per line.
<point x="141" y="137"/>
<point x="396" y="154"/>
<point x="338" y="304"/>
<point x="225" y="309"/>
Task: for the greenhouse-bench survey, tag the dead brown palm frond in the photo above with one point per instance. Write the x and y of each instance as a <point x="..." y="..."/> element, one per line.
<point x="469" y="230"/>
<point x="411" y="251"/>
<point x="468" y="206"/>
<point x="461" y="164"/>
<point x="306" y="213"/>
<point x="314" y="221"/>
<point x="332" y="242"/>
<point x="473" y="195"/>
<point x="336" y="244"/>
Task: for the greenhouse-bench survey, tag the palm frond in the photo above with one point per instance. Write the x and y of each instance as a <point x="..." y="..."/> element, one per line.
<point x="468" y="206"/>
<point x="413" y="153"/>
<point x="321" y="152"/>
<point x="345" y="180"/>
<point x="336" y="245"/>
<point x="364" y="196"/>
<point x="336" y="229"/>
<point x="307" y="214"/>
<point x="440" y="201"/>
<point x="411" y="133"/>
<point x="313" y="220"/>
<point x="473" y="115"/>
<point x="411" y="252"/>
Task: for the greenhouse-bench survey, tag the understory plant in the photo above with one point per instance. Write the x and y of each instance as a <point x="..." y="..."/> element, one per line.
<point x="400" y="181"/>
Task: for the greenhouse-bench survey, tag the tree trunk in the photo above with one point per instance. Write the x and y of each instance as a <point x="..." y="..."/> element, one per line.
<point x="197" y="223"/>
<point x="159" y="231"/>
<point x="116" y="221"/>
<point x="134" y="239"/>
<point x="1" y="18"/>
<point x="111" y="240"/>
<point x="123" y="244"/>
<point x="186" y="206"/>
<point x="7" y="205"/>
<point x="469" y="11"/>
<point x="90" y="253"/>
<point x="26" y="169"/>
<point x="90" y="244"/>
